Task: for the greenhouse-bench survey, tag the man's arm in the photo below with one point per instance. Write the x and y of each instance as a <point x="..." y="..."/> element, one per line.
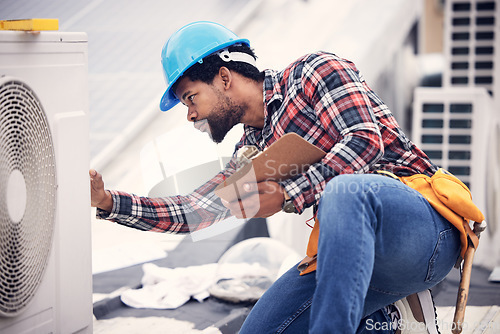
<point x="172" y="214"/>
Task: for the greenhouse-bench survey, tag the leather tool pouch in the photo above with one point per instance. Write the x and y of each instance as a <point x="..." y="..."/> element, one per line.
<point x="452" y="199"/>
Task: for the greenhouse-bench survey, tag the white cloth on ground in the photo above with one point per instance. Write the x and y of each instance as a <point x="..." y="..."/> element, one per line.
<point x="167" y="288"/>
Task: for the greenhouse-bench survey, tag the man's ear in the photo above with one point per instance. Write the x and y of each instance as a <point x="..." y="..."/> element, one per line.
<point x="226" y="77"/>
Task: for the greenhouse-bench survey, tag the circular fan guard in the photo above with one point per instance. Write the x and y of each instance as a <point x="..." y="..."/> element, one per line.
<point x="27" y="195"/>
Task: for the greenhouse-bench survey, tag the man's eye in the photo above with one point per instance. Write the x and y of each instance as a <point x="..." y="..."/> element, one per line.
<point x="191" y="98"/>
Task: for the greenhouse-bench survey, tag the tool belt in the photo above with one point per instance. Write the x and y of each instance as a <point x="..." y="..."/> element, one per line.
<point x="446" y="194"/>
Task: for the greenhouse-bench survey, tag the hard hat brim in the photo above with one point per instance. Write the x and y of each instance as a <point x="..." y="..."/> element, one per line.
<point x="168" y="101"/>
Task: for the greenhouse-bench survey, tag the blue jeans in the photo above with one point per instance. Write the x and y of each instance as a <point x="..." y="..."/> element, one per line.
<point x="379" y="242"/>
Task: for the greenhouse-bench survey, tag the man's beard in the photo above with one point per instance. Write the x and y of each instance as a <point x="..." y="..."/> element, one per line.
<point x="222" y="118"/>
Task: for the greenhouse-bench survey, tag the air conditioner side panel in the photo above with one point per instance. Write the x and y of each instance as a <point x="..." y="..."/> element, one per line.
<point x="57" y="72"/>
<point x="73" y="243"/>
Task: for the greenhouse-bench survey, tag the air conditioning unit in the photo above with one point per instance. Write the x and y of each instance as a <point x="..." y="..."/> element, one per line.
<point x="471" y="44"/>
<point x="45" y="237"/>
<point x="456" y="127"/>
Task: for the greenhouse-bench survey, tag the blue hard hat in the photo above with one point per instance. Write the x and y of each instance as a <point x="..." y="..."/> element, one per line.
<point x="188" y="45"/>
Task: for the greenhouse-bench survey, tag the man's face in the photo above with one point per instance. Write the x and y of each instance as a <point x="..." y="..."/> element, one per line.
<point x="209" y="108"/>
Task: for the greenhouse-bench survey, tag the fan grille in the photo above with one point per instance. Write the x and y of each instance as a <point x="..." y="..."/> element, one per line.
<point x="27" y="216"/>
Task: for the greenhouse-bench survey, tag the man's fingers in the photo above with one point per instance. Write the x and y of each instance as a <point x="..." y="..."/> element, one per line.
<point x="99" y="197"/>
<point x="94" y="174"/>
<point x="96" y="183"/>
<point x="261" y="199"/>
<point x="245" y="208"/>
<point x="266" y="187"/>
<point x="95" y="177"/>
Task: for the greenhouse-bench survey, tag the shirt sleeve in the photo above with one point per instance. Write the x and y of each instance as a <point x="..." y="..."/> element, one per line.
<point x="173" y="214"/>
<point x="339" y="97"/>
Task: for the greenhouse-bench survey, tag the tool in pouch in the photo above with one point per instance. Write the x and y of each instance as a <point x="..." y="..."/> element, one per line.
<point x="453" y="200"/>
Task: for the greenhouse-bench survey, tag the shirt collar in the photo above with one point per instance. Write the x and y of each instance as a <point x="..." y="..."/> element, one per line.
<point x="272" y="87"/>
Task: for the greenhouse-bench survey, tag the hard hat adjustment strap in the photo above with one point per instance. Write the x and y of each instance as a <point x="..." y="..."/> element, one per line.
<point x="227" y="56"/>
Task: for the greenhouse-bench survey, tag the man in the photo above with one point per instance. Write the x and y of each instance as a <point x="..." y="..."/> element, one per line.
<point x="380" y="243"/>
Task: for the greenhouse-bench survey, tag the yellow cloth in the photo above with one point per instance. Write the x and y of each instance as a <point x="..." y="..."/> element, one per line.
<point x="447" y="195"/>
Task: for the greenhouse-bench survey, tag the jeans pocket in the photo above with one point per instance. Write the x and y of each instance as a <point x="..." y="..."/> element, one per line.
<point x="443" y="257"/>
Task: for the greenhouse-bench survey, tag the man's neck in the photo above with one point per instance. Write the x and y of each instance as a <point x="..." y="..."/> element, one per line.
<point x="254" y="102"/>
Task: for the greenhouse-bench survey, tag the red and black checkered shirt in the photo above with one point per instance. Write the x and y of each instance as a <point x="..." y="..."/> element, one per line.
<point x="324" y="99"/>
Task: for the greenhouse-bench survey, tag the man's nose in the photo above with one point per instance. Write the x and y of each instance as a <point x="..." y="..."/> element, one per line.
<point x="191" y="115"/>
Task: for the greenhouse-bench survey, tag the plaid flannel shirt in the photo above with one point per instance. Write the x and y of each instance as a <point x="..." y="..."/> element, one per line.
<point x="324" y="99"/>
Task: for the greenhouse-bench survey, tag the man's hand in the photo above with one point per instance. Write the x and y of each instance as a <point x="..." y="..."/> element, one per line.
<point x="260" y="200"/>
<point x="99" y="197"/>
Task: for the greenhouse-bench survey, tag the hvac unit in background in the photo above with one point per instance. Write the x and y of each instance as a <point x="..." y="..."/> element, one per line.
<point x="472" y="44"/>
<point x="451" y="126"/>
<point x="45" y="246"/>
<point x="457" y="129"/>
